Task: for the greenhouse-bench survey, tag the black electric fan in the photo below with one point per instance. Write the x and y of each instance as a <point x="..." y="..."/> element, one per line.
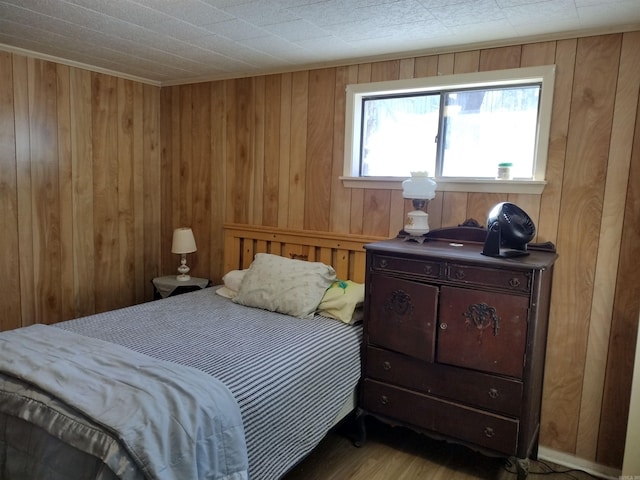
<point x="510" y="229"/>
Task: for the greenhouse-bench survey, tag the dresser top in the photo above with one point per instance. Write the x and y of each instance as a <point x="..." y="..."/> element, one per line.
<point x="462" y="251"/>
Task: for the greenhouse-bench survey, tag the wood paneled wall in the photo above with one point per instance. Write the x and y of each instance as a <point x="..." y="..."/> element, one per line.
<point x="79" y="191"/>
<point x="268" y="150"/>
<point x="88" y="201"/>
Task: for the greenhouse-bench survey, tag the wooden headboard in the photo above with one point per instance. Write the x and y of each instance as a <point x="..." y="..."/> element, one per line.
<point x="345" y="253"/>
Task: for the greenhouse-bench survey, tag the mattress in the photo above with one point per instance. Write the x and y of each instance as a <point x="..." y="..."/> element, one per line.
<point x="290" y="377"/>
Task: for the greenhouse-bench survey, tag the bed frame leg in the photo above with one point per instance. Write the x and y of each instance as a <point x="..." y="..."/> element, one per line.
<point x="362" y="428"/>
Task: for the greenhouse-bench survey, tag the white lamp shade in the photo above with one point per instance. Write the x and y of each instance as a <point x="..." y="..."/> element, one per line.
<point x="183" y="241"/>
<point x="419" y="186"/>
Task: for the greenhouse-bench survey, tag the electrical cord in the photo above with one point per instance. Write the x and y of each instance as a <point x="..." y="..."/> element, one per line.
<point x="510" y="467"/>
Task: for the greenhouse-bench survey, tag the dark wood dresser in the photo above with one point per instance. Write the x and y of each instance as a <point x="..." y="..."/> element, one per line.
<point x="454" y="343"/>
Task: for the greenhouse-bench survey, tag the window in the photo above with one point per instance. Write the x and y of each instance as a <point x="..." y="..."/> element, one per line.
<point x="457" y="127"/>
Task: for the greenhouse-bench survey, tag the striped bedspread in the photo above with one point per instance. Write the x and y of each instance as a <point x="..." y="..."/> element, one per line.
<point x="289" y="376"/>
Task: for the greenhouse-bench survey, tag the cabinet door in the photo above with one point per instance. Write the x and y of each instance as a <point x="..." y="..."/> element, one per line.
<point x="483" y="330"/>
<point x="402" y="316"/>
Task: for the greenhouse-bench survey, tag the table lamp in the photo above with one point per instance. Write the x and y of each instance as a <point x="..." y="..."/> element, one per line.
<point x="420" y="189"/>
<point x="183" y="243"/>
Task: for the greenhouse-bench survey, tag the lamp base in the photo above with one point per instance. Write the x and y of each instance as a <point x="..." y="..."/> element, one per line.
<point x="417" y="224"/>
<point x="183" y="270"/>
<point x="406" y="236"/>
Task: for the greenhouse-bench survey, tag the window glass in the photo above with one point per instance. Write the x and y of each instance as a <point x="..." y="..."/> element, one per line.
<point x="483" y="128"/>
<point x="399" y="135"/>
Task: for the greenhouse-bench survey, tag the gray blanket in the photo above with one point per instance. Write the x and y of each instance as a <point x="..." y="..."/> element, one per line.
<point x="175" y="421"/>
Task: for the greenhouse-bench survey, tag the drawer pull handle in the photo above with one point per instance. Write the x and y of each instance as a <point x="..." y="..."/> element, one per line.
<point x="384" y="400"/>
<point x="493" y="393"/>
<point x="386" y="366"/>
<point x="443" y="326"/>
<point x="384" y="263"/>
<point x="428" y="269"/>
<point x="459" y="274"/>
<point x="489" y="432"/>
<point x="514" y="282"/>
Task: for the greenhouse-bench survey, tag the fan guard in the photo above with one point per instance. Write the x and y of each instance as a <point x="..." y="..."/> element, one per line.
<point x="510" y="229"/>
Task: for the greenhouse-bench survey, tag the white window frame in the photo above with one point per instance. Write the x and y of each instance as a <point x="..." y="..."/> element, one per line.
<point x="517" y="76"/>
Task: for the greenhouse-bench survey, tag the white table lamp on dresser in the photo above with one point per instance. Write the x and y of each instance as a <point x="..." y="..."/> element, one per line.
<point x="183" y="243"/>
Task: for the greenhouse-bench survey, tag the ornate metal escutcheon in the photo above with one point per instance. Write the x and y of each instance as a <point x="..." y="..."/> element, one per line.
<point x="482" y="316"/>
<point x="399" y="302"/>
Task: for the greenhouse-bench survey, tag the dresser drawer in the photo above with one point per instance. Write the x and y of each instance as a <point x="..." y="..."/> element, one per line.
<point x="467" y="424"/>
<point x="425" y="268"/>
<point x="512" y="280"/>
<point x="485" y="331"/>
<point x="498" y="394"/>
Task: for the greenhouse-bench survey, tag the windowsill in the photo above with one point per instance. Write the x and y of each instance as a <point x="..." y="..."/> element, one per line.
<point x="480" y="185"/>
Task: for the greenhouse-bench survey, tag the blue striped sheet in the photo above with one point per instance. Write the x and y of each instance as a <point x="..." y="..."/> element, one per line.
<point x="290" y="376"/>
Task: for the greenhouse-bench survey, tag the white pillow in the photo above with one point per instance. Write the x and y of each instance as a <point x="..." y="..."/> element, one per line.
<point x="225" y="292"/>
<point x="231" y="280"/>
<point x="280" y="284"/>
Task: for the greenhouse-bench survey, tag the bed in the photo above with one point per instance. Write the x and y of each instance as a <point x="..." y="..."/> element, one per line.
<point x="198" y="385"/>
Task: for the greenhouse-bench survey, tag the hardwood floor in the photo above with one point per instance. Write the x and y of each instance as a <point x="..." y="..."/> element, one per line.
<point x="401" y="454"/>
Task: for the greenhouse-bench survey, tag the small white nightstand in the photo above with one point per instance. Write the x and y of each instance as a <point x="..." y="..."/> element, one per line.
<point x="169" y="286"/>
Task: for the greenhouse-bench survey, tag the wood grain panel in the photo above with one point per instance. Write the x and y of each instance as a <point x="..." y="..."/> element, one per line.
<point x="183" y="183"/>
<point x="297" y="160"/>
<point x="500" y="58"/>
<point x="466" y="62"/>
<point x="383" y="71"/>
<point x="75" y="190"/>
<point x="43" y="140"/>
<point x="23" y="175"/>
<point x="233" y="199"/>
<point x="376" y="212"/>
<point x="580" y="217"/>
<point x="138" y="145"/>
<point x="396" y="208"/>
<point x="105" y="178"/>
<point x="537" y="54"/>
<point x="454" y="209"/>
<point x="168" y="139"/>
<point x="319" y="149"/>
<point x="626" y="304"/>
<point x="406" y="68"/>
<point x="446" y="63"/>
<point x="152" y="189"/>
<point x="426" y="66"/>
<point x="217" y="180"/>
<point x="258" y="146"/>
<point x="9" y="262"/>
<point x="84" y="281"/>
<point x="271" y="151"/>
<point x="66" y="190"/>
<point x="200" y="220"/>
<point x="125" y="189"/>
<point x="285" y="149"/>
<point x="434" y="209"/>
<point x="608" y="257"/>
